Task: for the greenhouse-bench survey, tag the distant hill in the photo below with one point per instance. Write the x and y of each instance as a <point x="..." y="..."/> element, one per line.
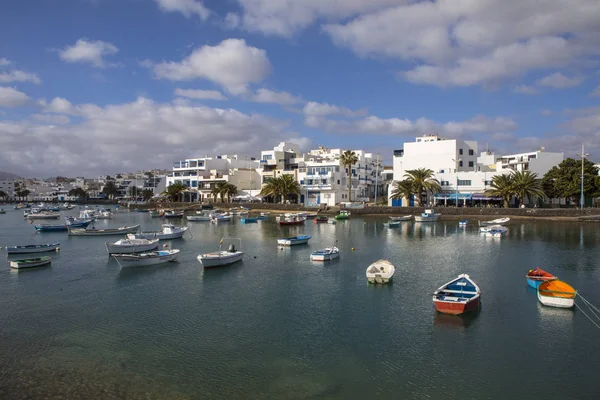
<point x="4" y="176"/>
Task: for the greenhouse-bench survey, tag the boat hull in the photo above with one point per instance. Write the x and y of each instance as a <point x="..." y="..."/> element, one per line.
<point x="129" y="260"/>
<point x="558" y="302"/>
<point x="534" y="283"/>
<point x="287" y="242"/>
<point x="209" y="261"/>
<point x="129" y="249"/>
<point x="103" y="232"/>
<point x="197" y="218"/>
<point x="29" y="250"/>
<point x="426" y="219"/>
<point x="30" y="263"/>
<point x="457" y="308"/>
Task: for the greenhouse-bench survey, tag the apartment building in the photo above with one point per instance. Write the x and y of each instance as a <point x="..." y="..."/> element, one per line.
<point x="8" y="187"/>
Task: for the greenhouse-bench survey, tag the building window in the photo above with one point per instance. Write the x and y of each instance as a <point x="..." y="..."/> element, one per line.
<point x="464" y="183"/>
<point x="338" y="181"/>
<point x="460" y="163"/>
<point x="267" y="157"/>
<point x="194" y="183"/>
<point x="471" y="152"/>
<point x="487" y="183"/>
<point x="470" y="163"/>
<point x="441" y="171"/>
<point x="460" y="151"/>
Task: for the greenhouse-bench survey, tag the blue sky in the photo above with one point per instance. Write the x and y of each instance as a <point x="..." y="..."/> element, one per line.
<point x="99" y="86"/>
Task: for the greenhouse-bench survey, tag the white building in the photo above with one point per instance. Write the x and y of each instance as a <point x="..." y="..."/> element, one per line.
<point x="8" y="187"/>
<point x="462" y="173"/>
<point x="282" y="160"/>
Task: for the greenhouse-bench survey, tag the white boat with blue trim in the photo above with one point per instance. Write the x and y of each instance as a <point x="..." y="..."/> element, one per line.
<point x="294" y="240"/>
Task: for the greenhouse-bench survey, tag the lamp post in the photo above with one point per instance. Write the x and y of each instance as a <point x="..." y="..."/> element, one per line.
<point x="456" y="171"/>
<point x="376" y="176"/>
<point x="583" y="156"/>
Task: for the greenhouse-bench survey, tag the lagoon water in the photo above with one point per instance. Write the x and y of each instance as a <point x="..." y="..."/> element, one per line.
<point x="280" y="327"/>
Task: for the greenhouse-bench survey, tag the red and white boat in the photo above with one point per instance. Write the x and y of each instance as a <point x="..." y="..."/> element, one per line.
<point x="292" y="220"/>
<point x="458" y="296"/>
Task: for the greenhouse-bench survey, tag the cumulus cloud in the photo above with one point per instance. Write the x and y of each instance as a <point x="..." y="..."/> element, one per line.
<point x="559" y="81"/>
<point x="269" y="96"/>
<point x="51" y="119"/>
<point x="200" y="94"/>
<point x="87" y="51"/>
<point x="10" y="97"/>
<point x="4" y="62"/>
<point x="314" y="109"/>
<point x="188" y="8"/>
<point x="18" y="76"/>
<point x="124" y="135"/>
<point x="525" y="89"/>
<point x="232" y="64"/>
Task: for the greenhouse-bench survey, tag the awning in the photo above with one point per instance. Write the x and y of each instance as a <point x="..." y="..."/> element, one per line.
<point x="452" y="196"/>
<point x="481" y="196"/>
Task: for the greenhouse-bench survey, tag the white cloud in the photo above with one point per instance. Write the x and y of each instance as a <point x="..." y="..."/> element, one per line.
<point x="595" y="92"/>
<point x="86" y="51"/>
<point x="200" y="94"/>
<point x="559" y="81"/>
<point x="51" y="119"/>
<point x="10" y="97"/>
<point x="18" y="76"/>
<point x="270" y="96"/>
<point x="58" y="105"/>
<point x="4" y="62"/>
<point x="524" y="89"/>
<point x="232" y="64"/>
<point x="188" y="8"/>
<point x="315" y="109"/>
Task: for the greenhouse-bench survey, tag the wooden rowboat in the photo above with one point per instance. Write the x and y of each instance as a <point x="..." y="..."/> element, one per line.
<point x="537" y="276"/>
<point x="556" y="293"/>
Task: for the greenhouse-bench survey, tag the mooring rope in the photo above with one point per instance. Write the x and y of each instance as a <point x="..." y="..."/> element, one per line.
<point x="588" y="317"/>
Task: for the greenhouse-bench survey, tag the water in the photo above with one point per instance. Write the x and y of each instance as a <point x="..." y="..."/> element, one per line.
<point x="280" y="327"/>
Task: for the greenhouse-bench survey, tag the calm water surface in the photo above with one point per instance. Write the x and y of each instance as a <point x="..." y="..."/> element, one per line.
<point x="280" y="327"/>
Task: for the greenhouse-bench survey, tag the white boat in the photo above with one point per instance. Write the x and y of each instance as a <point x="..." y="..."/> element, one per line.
<point x="222" y="257"/>
<point x="498" y="221"/>
<point x="104" y="214"/>
<point x="331" y="221"/>
<point x="30" y="262"/>
<point x="556" y="293"/>
<point x="381" y="271"/>
<point x="127" y="246"/>
<point x="292" y="241"/>
<point x="493" y="228"/>
<point x="200" y="216"/>
<point x="325" y="254"/>
<point x="428" y="216"/>
<point x="33" y="248"/>
<point x="392" y="224"/>
<point x="44" y="215"/>
<point x="146" y="259"/>
<point x="221" y="218"/>
<point x="169" y="231"/>
<point x="87" y="214"/>
<point x="402" y="218"/>
<point x="104" y="232"/>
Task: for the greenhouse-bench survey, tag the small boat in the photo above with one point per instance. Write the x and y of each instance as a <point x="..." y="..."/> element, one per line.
<point x="292" y="220"/>
<point x="200" y="216"/>
<point x="2" y="211"/>
<point x="44" y="215"/>
<point x="325" y="254"/>
<point x="428" y="216"/>
<point x="457" y="296"/>
<point x="392" y="224"/>
<point x="331" y="221"/>
<point x="248" y="220"/>
<point x="220" y="218"/>
<point x="128" y="246"/>
<point x="61" y="228"/>
<point x="33" y="248"/>
<point x="30" y="262"/>
<point x="103" y="232"/>
<point x="169" y="231"/>
<point x="222" y="257"/>
<point x="294" y="240"/>
<point x="464" y="222"/>
<point x="403" y="218"/>
<point x="537" y="276"/>
<point x="343" y="214"/>
<point x="489" y="228"/>
<point x="381" y="271"/>
<point x="322" y="219"/>
<point x="173" y="214"/>
<point x="146" y="259"/>
<point x="104" y="214"/>
<point x="556" y="293"/>
<point x="155" y="213"/>
<point x="498" y="221"/>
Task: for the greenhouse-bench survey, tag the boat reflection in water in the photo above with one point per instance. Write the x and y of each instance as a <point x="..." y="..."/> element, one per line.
<point x="455" y="321"/>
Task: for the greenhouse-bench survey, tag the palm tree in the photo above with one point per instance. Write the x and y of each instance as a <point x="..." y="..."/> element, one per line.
<point x="147" y="194"/>
<point x="422" y="180"/>
<point x="3" y="194"/>
<point x="526" y="183"/>
<point x="402" y="189"/>
<point x="174" y="191"/>
<point x="502" y="186"/>
<point x="348" y="159"/>
<point x="288" y="185"/>
<point x="271" y="188"/>
<point x="230" y="190"/>
<point x="214" y="192"/>
<point x="222" y="186"/>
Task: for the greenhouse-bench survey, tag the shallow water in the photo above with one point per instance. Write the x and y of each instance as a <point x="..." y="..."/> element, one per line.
<point x="279" y="326"/>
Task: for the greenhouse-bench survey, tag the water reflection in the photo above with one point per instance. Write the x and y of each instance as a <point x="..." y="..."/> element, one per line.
<point x="455" y="321"/>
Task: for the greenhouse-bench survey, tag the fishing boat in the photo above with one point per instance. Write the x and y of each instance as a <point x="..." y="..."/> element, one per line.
<point x="222" y="257"/>
<point x="33" y="248"/>
<point x="402" y="218"/>
<point x="535" y="277"/>
<point x="103" y="232"/>
<point x="464" y="222"/>
<point x="173" y="214"/>
<point x="326" y="254"/>
<point x="294" y="240"/>
<point x="146" y="259"/>
<point x="498" y="221"/>
<point x="200" y="216"/>
<point x="169" y="231"/>
<point x="556" y="293"/>
<point x="343" y="214"/>
<point x="428" y="216"/>
<point x="128" y="246"/>
<point x="392" y="224"/>
<point x="292" y="220"/>
<point x="249" y="220"/>
<point x="381" y="271"/>
<point x="216" y="218"/>
<point x="44" y="215"/>
<point x="322" y="219"/>
<point x="30" y="262"/>
<point x="458" y="296"/>
<point x="61" y="228"/>
<point x="104" y="214"/>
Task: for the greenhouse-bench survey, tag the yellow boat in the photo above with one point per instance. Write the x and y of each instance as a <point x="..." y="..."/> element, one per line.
<point x="556" y="294"/>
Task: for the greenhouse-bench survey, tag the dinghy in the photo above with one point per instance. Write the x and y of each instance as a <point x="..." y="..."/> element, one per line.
<point x="381" y="271"/>
<point x="146" y="259"/>
<point x="556" y="293"/>
<point x="169" y="231"/>
<point x="33" y="248"/>
<point x="538" y="276"/>
<point x="222" y="257"/>
<point x="292" y="220"/>
<point x="103" y="232"/>
<point x="458" y="296"/>
<point x="325" y="254"/>
<point x="249" y="220"/>
<point x="30" y="262"/>
<point x="321" y="219"/>
<point x="61" y="228"/>
<point x="128" y="246"/>
<point x="292" y="241"/>
<point x="498" y="221"/>
<point x="428" y="216"/>
<point x="343" y="215"/>
<point x="403" y="218"/>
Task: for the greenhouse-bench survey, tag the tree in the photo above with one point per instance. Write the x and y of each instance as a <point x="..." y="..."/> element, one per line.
<point x="222" y="186"/>
<point x="526" y="183"/>
<point x="214" y="192"/>
<point x="271" y="188"/>
<point x="3" y="194"/>
<point x="110" y="189"/>
<point x="147" y="194"/>
<point x="564" y="180"/>
<point x="23" y="193"/>
<point x="402" y="189"/>
<point x="288" y="185"/>
<point x="78" y="192"/>
<point x="348" y="159"/>
<point x="422" y="180"/>
<point x="502" y="186"/>
<point x="174" y="191"/>
<point x="230" y="190"/>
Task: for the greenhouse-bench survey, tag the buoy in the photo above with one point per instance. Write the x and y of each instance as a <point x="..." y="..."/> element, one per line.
<point x="353" y="249"/>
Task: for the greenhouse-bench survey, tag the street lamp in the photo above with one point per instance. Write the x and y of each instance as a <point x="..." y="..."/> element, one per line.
<point x="583" y="156"/>
<point x="376" y="176"/>
<point x="456" y="171"/>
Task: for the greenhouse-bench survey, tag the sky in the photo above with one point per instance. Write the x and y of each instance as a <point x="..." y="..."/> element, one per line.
<point x="91" y="87"/>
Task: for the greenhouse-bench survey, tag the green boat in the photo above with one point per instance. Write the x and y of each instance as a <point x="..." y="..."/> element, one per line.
<point x="343" y="215"/>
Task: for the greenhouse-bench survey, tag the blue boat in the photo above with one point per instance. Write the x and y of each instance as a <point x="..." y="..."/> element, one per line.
<point x="249" y="220"/>
<point x="291" y="241"/>
<point x="538" y="276"/>
<point x="61" y="228"/>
